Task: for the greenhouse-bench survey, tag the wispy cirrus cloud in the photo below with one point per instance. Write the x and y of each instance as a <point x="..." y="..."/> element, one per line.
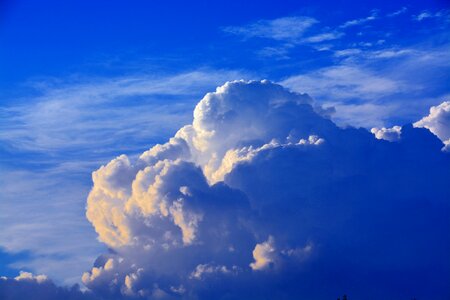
<point x="287" y="33"/>
<point x="426" y="14"/>
<point x="281" y="29"/>
<point x="373" y="16"/>
<point x="369" y="86"/>
<point x="398" y="12"/>
<point x="42" y="214"/>
<point x="73" y="115"/>
<point x="343" y="81"/>
<point x="322" y="37"/>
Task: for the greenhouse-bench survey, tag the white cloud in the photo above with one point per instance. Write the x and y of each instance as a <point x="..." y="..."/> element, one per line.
<point x="29" y="276"/>
<point x="347" y="52"/>
<point x="39" y="287"/>
<point x="429" y="15"/>
<point x="101" y="112"/>
<point x="438" y="122"/>
<point x="282" y="29"/>
<point x="264" y="255"/>
<point x="260" y="162"/>
<point x="39" y="209"/>
<point x="373" y="16"/>
<point x="343" y="81"/>
<point x="424" y="15"/>
<point x="203" y="270"/>
<point x="398" y="12"/>
<point x="388" y="134"/>
<point x="322" y="37"/>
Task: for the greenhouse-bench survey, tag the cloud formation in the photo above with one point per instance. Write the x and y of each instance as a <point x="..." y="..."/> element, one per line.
<point x="281" y="29"/>
<point x="263" y="195"/>
<point x="373" y="16"/>
<point x="29" y="286"/>
<point x="388" y="134"/>
<point x="438" y="122"/>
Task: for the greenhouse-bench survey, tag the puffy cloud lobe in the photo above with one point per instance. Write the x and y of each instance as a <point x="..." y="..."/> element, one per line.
<point x="29" y="276"/>
<point x="264" y="196"/>
<point x="264" y="255"/>
<point x="438" y="122"/>
<point x="388" y="134"/>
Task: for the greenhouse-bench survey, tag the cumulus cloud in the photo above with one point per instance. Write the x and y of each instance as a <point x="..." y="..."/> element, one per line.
<point x="29" y="276"/>
<point x="438" y="122"/>
<point x="264" y="255"/>
<point x="263" y="195"/>
<point x="30" y="286"/>
<point x="388" y="134"/>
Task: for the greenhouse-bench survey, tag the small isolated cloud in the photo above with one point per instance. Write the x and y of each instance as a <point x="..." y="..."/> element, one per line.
<point x="322" y="37"/>
<point x="347" y="52"/>
<point x="261" y="192"/>
<point x="398" y="12"/>
<point x="373" y="16"/>
<point x="264" y="255"/>
<point x="388" y="134"/>
<point x="423" y="15"/>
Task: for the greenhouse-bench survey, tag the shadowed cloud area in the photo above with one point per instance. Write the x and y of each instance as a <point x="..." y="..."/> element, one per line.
<point x="264" y="197"/>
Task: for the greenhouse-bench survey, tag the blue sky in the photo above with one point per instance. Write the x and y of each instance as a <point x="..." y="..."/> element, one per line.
<point x="82" y="83"/>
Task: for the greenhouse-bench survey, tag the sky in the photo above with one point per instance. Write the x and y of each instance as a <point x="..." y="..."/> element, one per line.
<point x="88" y="88"/>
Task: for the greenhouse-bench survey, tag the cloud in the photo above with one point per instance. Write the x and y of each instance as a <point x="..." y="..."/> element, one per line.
<point x="203" y="270"/>
<point x="388" y="134"/>
<point x="438" y="122"/>
<point x="263" y="196"/>
<point x="264" y="255"/>
<point x="343" y="81"/>
<point x="288" y="32"/>
<point x="30" y="277"/>
<point x="29" y="286"/>
<point x="398" y="12"/>
<point x="282" y="29"/>
<point x="373" y="16"/>
<point x="70" y="116"/>
<point x="41" y="213"/>
<point x="368" y="87"/>
<point x="430" y="15"/>
<point x="328" y="36"/>
<point x="51" y="141"/>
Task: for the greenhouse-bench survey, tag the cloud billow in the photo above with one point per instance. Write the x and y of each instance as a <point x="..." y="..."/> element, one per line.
<point x="29" y="286"/>
<point x="263" y="196"/>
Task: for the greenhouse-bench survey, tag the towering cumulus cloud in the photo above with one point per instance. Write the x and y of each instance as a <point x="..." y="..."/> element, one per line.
<point x="438" y="122"/>
<point x="264" y="197"/>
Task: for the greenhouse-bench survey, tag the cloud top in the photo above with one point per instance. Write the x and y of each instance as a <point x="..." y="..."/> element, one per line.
<point x="438" y="122"/>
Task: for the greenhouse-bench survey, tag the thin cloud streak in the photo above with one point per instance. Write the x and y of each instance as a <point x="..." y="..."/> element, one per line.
<point x="73" y="116"/>
<point x="282" y="29"/>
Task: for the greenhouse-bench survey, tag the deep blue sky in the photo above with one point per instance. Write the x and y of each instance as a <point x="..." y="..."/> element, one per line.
<point x="54" y="38"/>
<point x="79" y="80"/>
